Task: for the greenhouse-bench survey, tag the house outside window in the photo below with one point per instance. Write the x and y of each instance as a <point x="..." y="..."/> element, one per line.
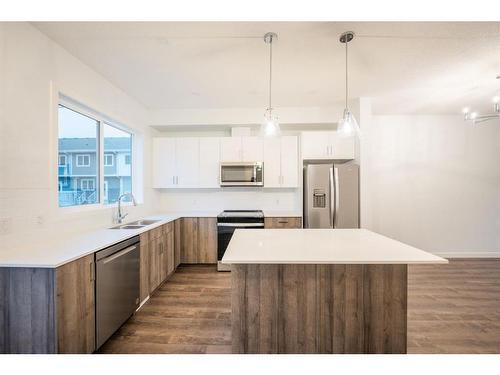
<point x="62" y="160"/>
<point x="91" y="149"/>
<point x="108" y="160"/>
<point x="87" y="184"/>
<point x="83" y="160"/>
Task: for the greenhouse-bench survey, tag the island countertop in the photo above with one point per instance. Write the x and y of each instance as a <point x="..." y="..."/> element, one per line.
<point x="321" y="246"/>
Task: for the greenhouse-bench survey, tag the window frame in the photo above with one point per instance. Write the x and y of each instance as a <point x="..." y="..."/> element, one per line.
<point x="101" y="120"/>
<point x="87" y="180"/>
<point x="108" y="154"/>
<point x="84" y="165"/>
<point x="59" y="156"/>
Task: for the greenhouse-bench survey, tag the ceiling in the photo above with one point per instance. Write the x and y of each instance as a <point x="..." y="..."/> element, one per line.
<point x="405" y="67"/>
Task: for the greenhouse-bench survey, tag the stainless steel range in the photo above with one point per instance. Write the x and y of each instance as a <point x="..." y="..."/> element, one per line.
<point x="230" y="220"/>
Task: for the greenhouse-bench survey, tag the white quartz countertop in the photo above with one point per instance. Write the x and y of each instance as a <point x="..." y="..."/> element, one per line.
<point x="58" y="251"/>
<point x="321" y="246"/>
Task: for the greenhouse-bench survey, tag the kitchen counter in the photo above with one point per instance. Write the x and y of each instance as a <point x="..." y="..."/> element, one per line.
<point x="321" y="246"/>
<point x="59" y="251"/>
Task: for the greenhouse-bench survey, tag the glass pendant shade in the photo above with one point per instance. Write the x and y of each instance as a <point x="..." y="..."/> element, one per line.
<point x="270" y="127"/>
<point x="347" y="125"/>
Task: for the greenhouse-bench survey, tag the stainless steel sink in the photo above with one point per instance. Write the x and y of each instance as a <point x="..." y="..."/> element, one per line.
<point x="128" y="226"/>
<point x="136" y="224"/>
<point x="144" y="222"/>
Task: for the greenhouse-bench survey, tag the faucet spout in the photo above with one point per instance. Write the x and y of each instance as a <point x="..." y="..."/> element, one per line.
<point x="120" y="216"/>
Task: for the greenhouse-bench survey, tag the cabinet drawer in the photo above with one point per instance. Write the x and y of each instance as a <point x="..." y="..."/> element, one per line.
<point x="282" y="222"/>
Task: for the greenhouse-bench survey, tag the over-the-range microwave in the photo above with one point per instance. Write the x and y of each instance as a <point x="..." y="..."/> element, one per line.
<point x="242" y="174"/>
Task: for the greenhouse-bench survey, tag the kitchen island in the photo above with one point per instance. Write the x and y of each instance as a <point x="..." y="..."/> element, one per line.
<point x="319" y="291"/>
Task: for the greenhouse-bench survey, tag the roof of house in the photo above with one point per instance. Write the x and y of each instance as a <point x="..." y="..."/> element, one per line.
<point x="110" y="144"/>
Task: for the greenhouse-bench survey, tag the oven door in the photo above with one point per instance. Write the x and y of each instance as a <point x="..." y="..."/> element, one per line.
<point x="242" y="174"/>
<point x="225" y="232"/>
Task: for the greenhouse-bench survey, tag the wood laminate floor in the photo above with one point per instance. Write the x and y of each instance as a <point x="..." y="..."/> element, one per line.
<point x="452" y="308"/>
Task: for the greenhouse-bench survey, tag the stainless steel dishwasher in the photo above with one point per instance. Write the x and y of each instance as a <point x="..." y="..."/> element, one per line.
<point x="117" y="287"/>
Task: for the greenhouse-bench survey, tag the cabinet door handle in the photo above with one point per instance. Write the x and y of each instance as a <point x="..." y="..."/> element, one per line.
<point x="283" y="222"/>
<point x="173" y="180"/>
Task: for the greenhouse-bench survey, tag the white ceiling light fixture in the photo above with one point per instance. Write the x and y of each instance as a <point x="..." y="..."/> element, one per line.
<point x="347" y="125"/>
<point x="476" y="118"/>
<point x="270" y="126"/>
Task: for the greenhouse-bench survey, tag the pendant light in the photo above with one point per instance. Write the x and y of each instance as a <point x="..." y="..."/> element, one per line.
<point x="270" y="126"/>
<point x="347" y="125"/>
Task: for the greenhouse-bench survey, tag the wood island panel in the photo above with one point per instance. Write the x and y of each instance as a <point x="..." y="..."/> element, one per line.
<point x="307" y="308"/>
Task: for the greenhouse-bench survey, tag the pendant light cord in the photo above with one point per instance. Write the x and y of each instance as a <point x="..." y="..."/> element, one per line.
<point x="346" y="74"/>
<point x="270" y="72"/>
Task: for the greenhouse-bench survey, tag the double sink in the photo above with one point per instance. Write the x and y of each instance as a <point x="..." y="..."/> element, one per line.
<point x="136" y="224"/>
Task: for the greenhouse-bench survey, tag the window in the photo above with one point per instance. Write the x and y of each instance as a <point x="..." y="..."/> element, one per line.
<point x="108" y="160"/>
<point x="83" y="160"/>
<point x="117" y="145"/>
<point x="62" y="160"/>
<point x="87" y="184"/>
<point x="78" y="132"/>
<point x="90" y="144"/>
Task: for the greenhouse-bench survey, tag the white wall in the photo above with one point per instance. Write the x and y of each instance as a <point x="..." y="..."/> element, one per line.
<point x="433" y="182"/>
<point x="32" y="70"/>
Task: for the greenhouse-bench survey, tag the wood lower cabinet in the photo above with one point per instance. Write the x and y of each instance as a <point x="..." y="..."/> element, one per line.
<point x="282" y="222"/>
<point x="144" y="268"/>
<point x="189" y="240"/>
<point x="199" y="240"/>
<point x="177" y="245"/>
<point x="161" y="247"/>
<point x="207" y="240"/>
<point x="75" y="301"/>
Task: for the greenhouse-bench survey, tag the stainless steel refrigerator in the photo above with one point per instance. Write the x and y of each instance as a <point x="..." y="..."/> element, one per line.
<point x="331" y="195"/>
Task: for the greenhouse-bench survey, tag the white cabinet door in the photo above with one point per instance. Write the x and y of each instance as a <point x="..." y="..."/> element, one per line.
<point x="289" y="162"/>
<point x="272" y="163"/>
<point x="163" y="162"/>
<point x="187" y="162"/>
<point x="316" y="145"/>
<point x="209" y="162"/>
<point x="230" y="149"/>
<point x="252" y="149"/>
<point x="342" y="148"/>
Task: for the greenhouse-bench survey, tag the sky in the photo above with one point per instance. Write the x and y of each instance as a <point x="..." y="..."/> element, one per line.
<point x="76" y="125"/>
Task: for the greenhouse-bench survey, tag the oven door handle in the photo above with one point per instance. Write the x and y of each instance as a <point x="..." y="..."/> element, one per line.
<point x="241" y="225"/>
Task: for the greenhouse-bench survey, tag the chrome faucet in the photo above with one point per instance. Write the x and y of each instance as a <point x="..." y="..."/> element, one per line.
<point x="120" y="216"/>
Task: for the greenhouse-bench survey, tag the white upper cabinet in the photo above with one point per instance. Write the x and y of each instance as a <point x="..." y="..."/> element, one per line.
<point x="272" y="163"/>
<point x="252" y="149"/>
<point x="238" y="149"/>
<point x="327" y="145"/>
<point x="164" y="170"/>
<point x="281" y="162"/>
<point x="192" y="162"/>
<point x="230" y="149"/>
<point x="187" y="162"/>
<point x="209" y="162"/>
<point x="289" y="161"/>
<point x="175" y="162"/>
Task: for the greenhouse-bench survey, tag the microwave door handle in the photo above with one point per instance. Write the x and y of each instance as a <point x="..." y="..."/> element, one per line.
<point x="331" y="205"/>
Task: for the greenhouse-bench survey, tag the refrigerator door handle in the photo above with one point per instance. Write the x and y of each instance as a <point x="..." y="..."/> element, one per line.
<point x="337" y="200"/>
<point x="332" y="198"/>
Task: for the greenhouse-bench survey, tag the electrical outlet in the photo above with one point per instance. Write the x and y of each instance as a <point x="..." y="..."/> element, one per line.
<point x="5" y="225"/>
<point x="40" y="220"/>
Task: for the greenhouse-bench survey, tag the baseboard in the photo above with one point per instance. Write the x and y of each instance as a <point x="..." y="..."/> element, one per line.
<point x="469" y="254"/>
